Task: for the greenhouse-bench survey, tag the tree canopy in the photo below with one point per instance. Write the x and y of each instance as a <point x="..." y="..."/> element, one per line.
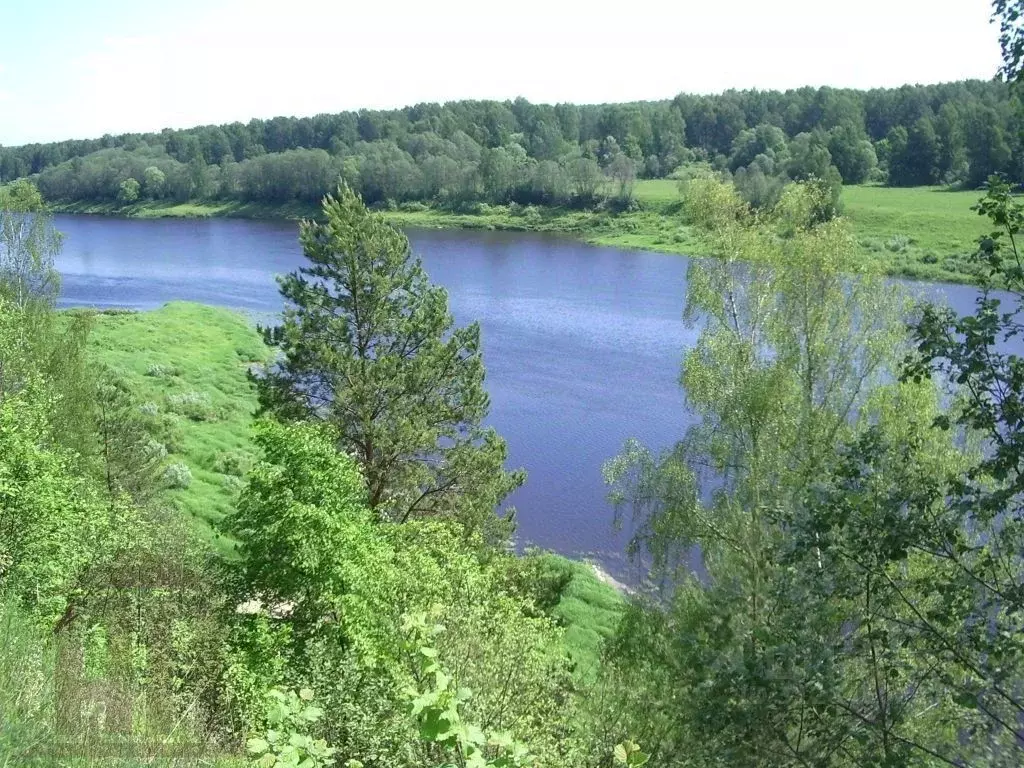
<point x="369" y="346"/>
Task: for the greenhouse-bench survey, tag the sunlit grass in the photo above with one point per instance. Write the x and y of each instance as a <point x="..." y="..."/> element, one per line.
<point x="190" y="361"/>
<point x="588" y="609"/>
<point x="927" y="232"/>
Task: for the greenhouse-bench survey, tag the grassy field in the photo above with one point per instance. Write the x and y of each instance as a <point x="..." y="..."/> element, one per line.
<point x="658" y="193"/>
<point x="923" y="232"/>
<point x="189" y="362"/>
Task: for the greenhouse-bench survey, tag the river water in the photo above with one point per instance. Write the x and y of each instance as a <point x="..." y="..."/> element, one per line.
<point x="582" y="344"/>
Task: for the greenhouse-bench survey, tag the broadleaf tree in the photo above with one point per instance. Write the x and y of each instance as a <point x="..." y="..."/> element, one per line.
<point x="750" y="663"/>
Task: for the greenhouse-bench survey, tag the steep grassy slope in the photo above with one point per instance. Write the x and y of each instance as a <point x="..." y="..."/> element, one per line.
<point x="189" y="362"/>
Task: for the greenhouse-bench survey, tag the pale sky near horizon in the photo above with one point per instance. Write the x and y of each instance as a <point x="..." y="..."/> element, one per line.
<point x="74" y="69"/>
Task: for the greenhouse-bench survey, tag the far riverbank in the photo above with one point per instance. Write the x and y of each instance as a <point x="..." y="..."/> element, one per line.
<point x="922" y="233"/>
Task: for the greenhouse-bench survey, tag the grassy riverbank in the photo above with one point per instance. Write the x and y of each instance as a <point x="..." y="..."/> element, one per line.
<point x="196" y="209"/>
<point x="927" y="233"/>
<point x="189" y="361"/>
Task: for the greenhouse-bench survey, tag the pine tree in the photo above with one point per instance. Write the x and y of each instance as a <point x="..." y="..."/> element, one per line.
<point x="369" y="346"/>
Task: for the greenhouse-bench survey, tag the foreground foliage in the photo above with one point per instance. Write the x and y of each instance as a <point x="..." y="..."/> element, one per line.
<point x="335" y="592"/>
<point x="786" y="648"/>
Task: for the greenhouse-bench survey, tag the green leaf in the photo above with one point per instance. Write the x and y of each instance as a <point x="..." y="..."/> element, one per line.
<point x="500" y="739"/>
<point x="474" y="735"/>
<point x="257" y="745"/>
<point x="620" y="754"/>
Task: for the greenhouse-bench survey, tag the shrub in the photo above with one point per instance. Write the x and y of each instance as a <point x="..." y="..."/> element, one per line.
<point x="232" y="484"/>
<point x="149" y="409"/>
<point x="193" y="405"/>
<point x="178" y="475"/>
<point x="158" y="371"/>
<point x="155" y="449"/>
<point x="309" y="542"/>
<point x="413" y="206"/>
<point x="285" y="742"/>
<point x="897" y="243"/>
<point x="531" y="215"/>
<point x="231" y="463"/>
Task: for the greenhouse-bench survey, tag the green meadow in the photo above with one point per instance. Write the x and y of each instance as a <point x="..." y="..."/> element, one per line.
<point x="922" y="232"/>
<point x="927" y="233"/>
<point x="188" y="362"/>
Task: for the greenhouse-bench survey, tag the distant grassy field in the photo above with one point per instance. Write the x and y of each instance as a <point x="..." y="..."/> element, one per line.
<point x="657" y="192"/>
<point x="189" y="361"/>
<point x="926" y="232"/>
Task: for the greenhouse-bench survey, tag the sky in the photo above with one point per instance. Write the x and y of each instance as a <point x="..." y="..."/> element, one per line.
<point x="76" y="69"/>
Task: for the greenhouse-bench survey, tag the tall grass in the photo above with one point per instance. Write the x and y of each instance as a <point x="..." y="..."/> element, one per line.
<point x="58" y="709"/>
<point x="188" y="363"/>
<point x="587" y="608"/>
<point x="26" y="687"/>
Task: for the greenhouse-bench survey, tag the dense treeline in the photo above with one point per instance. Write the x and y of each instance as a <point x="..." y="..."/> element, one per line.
<point x="500" y="152"/>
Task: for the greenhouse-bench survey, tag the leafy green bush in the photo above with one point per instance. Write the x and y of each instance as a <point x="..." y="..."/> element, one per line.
<point x="285" y="743"/>
<point x="436" y="702"/>
<point x="231" y="463"/>
<point x="177" y="475"/>
<point x="193" y="405"/>
<point x="158" y="371"/>
<point x="54" y="525"/>
<point x="897" y="243"/>
<point x="336" y="584"/>
<point x="413" y="206"/>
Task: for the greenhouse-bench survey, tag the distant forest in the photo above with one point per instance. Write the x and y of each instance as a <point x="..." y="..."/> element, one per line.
<point x="472" y="152"/>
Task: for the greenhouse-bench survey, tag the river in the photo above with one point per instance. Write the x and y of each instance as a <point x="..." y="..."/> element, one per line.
<point x="582" y="344"/>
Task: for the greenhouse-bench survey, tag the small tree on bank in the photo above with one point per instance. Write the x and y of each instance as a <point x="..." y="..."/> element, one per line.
<point x="368" y="345"/>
